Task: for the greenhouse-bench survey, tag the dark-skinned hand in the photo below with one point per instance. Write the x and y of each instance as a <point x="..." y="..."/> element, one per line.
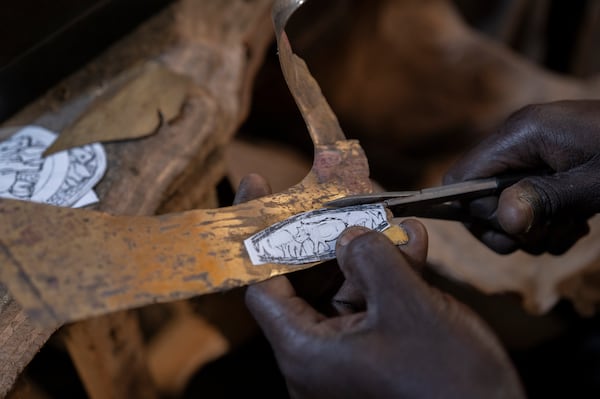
<point x="393" y="336"/>
<point x="548" y="212"/>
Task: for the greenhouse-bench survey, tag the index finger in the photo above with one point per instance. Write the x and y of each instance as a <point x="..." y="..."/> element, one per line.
<point x="380" y="272"/>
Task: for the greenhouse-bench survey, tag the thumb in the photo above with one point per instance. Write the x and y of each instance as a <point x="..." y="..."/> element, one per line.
<point x="536" y="200"/>
<point x="376" y="268"/>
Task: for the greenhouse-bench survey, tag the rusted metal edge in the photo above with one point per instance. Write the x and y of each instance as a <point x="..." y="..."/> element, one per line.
<point x="322" y="123"/>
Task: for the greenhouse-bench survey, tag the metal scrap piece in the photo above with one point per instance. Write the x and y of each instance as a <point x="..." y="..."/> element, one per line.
<point x="322" y="123"/>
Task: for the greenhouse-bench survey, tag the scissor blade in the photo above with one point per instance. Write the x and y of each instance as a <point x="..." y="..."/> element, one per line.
<point x="363" y="199"/>
<point x="403" y="202"/>
<point x="450" y="192"/>
<point x="434" y="195"/>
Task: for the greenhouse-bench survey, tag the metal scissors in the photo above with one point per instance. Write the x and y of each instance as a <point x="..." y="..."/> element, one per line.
<point x="435" y="202"/>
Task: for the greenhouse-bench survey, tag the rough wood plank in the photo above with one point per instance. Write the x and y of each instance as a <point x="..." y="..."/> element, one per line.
<point x="188" y="342"/>
<point x="110" y="357"/>
<point x="20" y="339"/>
<point x="120" y="114"/>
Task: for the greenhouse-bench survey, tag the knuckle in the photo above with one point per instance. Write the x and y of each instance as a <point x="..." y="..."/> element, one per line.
<point x="526" y="120"/>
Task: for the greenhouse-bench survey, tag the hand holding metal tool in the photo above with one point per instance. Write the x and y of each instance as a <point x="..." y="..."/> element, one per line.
<point x="435" y="202"/>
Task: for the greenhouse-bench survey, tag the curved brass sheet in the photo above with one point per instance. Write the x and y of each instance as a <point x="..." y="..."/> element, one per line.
<point x="65" y="264"/>
<point x="68" y="264"/>
<point x="322" y="123"/>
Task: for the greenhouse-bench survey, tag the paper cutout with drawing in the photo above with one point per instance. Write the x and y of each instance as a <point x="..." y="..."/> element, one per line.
<point x="63" y="179"/>
<point x="311" y="236"/>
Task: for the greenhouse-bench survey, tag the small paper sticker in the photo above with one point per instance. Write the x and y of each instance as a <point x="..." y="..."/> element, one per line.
<point x="88" y="199"/>
<point x="311" y="236"/>
<point x="62" y="179"/>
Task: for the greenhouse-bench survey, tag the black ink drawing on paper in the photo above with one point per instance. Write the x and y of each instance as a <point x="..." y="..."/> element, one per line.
<point x="24" y="174"/>
<point x="87" y="165"/>
<point x="311" y="236"/>
<point x="61" y="179"/>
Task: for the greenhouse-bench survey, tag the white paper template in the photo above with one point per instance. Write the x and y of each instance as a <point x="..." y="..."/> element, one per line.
<point x="311" y="236"/>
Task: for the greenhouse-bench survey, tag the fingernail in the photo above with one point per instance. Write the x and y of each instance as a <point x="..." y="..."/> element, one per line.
<point x="525" y="207"/>
<point x="515" y="211"/>
<point x="350" y="234"/>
